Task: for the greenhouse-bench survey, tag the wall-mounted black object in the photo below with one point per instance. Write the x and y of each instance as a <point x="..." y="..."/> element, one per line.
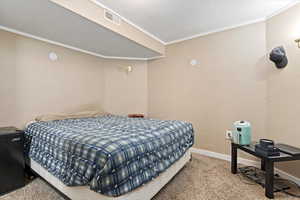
<point x="11" y="159"/>
<point x="279" y="57"/>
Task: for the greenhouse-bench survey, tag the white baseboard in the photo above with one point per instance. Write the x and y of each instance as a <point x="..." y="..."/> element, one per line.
<point x="243" y="161"/>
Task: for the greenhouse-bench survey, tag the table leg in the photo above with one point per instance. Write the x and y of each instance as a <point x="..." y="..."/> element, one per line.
<point x="269" y="184"/>
<point x="263" y="164"/>
<point x="233" y="158"/>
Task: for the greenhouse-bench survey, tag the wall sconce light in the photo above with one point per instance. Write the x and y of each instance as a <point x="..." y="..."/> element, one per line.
<point x="53" y="56"/>
<point x="128" y="69"/>
<point x="194" y="62"/>
<point x="298" y="41"/>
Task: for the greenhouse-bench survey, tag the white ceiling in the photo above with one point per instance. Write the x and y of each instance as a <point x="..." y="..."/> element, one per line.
<point x="171" y="20"/>
<point x="46" y="20"/>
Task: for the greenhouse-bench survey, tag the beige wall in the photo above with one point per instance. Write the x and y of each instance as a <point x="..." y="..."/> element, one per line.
<point x="31" y="84"/>
<point x="7" y="78"/>
<point x="284" y="85"/>
<point x="126" y="92"/>
<point x="229" y="84"/>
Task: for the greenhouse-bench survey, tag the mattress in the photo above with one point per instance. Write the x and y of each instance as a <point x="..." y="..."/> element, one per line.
<point x="111" y="154"/>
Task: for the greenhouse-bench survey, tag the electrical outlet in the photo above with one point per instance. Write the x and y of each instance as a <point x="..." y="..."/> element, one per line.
<point x="228" y="135"/>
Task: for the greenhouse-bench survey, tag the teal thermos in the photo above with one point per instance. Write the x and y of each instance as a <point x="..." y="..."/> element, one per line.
<point x="242" y="133"/>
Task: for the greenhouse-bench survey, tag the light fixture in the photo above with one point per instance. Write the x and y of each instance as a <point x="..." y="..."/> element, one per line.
<point x="53" y="56"/>
<point x="298" y="41"/>
<point x="194" y="62"/>
<point x="129" y="69"/>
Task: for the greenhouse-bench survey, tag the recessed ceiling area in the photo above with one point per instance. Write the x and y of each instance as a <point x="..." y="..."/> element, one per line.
<point x="171" y="20"/>
<point x="46" y="20"/>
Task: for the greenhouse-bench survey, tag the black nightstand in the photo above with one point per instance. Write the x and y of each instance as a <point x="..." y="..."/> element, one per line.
<point x="11" y="160"/>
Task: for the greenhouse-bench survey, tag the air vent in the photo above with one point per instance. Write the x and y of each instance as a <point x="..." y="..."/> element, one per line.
<point x="112" y="17"/>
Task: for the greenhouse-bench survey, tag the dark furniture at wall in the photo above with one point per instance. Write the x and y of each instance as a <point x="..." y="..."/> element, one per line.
<point x="11" y="160"/>
<point x="267" y="164"/>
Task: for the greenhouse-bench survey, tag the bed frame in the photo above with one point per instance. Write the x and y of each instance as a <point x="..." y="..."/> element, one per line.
<point x="146" y="192"/>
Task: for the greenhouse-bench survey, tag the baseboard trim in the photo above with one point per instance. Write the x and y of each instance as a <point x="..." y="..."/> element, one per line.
<point x="243" y="161"/>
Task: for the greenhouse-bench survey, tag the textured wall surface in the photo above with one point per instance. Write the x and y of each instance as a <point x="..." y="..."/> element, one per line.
<point x="228" y="84"/>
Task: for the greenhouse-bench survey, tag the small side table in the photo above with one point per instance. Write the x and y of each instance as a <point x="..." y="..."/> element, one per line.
<point x="267" y="164"/>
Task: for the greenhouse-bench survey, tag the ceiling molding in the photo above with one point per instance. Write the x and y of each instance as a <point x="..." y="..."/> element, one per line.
<point x="203" y="33"/>
<point x="124" y="58"/>
<point x="288" y="6"/>
<point x="68" y="46"/>
<point x="129" y="22"/>
<point x="156" y="57"/>
<point x="237" y="25"/>
<point x="217" y="31"/>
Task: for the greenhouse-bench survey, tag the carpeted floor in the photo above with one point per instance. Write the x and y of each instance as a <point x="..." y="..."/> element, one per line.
<point x="202" y="179"/>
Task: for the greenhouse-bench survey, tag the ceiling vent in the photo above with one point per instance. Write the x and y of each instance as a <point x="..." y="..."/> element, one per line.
<point x="112" y="17"/>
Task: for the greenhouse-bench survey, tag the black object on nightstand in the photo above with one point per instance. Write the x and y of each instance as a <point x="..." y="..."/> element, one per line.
<point x="11" y="159"/>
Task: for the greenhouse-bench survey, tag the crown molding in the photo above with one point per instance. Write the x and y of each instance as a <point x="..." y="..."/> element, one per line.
<point x="68" y="46"/>
<point x="199" y="34"/>
<point x="125" y="58"/>
<point x="217" y="30"/>
<point x="156" y="57"/>
<point x="237" y="25"/>
<point x="129" y="22"/>
<point x="288" y="6"/>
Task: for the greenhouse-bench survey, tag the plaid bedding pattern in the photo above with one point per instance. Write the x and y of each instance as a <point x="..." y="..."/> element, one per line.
<point x="112" y="154"/>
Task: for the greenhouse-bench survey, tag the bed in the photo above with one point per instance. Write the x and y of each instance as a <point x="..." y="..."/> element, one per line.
<point x="108" y="157"/>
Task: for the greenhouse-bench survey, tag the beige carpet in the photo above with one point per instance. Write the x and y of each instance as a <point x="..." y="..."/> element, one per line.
<point x="202" y="179"/>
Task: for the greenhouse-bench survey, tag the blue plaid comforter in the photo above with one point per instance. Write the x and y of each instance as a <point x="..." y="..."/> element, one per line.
<point x="112" y="154"/>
